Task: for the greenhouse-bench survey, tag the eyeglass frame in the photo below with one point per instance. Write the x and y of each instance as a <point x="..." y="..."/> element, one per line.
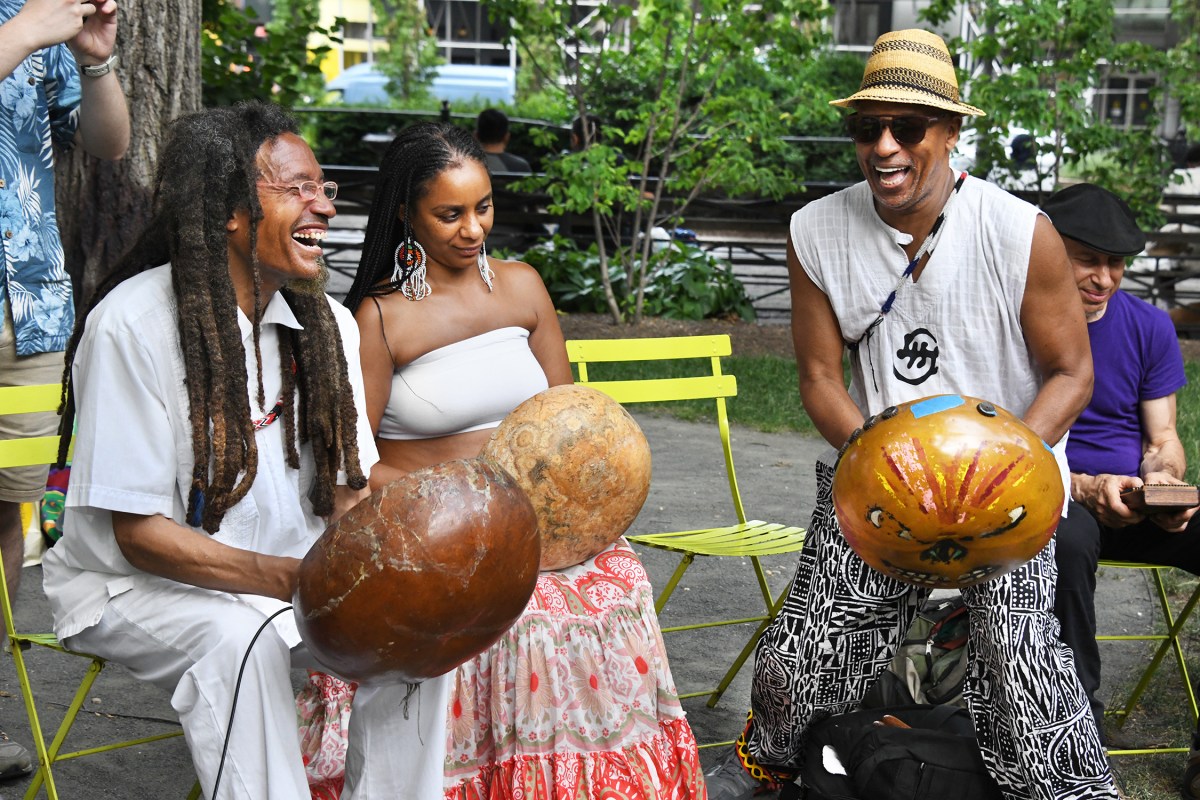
<point x="853" y="124"/>
<point x="321" y="188"/>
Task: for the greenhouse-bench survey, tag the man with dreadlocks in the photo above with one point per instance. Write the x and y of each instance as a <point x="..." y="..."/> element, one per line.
<point x="221" y="426"/>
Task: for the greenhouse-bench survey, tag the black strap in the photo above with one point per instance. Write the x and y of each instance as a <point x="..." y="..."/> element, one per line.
<point x="382" y="328"/>
<point x="926" y="248"/>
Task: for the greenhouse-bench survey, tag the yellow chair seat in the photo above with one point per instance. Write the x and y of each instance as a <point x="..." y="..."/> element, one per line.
<point x="751" y="538"/>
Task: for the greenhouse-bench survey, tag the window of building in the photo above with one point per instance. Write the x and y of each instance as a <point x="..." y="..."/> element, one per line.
<point x="1124" y="101"/>
<point x="860" y="22"/>
<point x="355" y="30"/>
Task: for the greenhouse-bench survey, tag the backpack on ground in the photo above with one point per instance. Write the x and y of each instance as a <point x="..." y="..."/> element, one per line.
<point x="931" y="665"/>
<point x="850" y="757"/>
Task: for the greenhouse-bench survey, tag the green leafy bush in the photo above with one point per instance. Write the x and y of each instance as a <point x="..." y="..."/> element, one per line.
<point x="687" y="282"/>
<point x="243" y="58"/>
<point x="571" y="275"/>
<point x="683" y="282"/>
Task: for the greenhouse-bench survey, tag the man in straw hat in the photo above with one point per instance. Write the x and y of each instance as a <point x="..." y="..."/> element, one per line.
<point x="937" y="283"/>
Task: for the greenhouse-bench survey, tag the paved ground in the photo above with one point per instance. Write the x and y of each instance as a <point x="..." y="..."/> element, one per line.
<point x="688" y="490"/>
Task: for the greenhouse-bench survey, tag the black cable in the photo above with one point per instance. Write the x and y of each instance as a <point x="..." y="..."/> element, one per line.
<point x="237" y="688"/>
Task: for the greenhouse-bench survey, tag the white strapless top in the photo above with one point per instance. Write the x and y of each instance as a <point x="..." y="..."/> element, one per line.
<point x="465" y="386"/>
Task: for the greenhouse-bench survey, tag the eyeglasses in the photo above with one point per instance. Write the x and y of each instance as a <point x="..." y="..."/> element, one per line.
<point x="307" y="190"/>
<point x="906" y="129"/>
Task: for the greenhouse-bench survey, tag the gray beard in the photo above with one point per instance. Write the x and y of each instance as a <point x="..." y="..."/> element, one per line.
<point x="313" y="287"/>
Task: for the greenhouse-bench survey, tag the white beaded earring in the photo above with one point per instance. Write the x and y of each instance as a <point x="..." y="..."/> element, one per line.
<point x="485" y="271"/>
<point x="410" y="270"/>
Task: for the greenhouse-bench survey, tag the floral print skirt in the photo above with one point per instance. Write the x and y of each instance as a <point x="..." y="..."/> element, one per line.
<point x="575" y="702"/>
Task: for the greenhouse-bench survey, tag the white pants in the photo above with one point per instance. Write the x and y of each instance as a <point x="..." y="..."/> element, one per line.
<point x="191" y="643"/>
<point x="376" y="766"/>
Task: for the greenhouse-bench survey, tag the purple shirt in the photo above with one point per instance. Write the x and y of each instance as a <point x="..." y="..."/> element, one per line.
<point x="1135" y="353"/>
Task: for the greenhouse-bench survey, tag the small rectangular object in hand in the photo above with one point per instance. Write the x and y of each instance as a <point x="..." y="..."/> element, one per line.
<point x="1162" y="495"/>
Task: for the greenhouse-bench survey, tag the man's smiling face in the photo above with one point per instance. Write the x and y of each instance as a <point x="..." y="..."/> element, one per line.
<point x="290" y="233"/>
<point x="902" y="177"/>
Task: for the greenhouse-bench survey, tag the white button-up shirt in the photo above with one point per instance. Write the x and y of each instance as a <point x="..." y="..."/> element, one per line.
<point x="133" y="446"/>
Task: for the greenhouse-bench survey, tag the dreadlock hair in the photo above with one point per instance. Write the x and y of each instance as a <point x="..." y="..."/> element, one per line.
<point x="207" y="170"/>
<point x="417" y="155"/>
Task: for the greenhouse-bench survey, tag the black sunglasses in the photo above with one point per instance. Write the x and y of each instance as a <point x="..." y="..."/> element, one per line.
<point x="906" y="129"/>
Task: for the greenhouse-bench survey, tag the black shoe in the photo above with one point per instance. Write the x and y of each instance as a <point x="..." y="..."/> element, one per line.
<point x="1191" y="777"/>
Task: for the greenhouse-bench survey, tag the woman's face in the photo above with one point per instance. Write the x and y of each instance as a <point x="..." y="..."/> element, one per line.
<point x="454" y="216"/>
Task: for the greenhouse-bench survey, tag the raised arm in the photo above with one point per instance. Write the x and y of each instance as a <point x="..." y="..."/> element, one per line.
<point x="817" y="338"/>
<point x="1056" y="334"/>
<point x="39" y="23"/>
<point x="90" y="29"/>
<point x="103" y="114"/>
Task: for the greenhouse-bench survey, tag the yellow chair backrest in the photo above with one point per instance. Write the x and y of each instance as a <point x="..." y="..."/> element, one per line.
<point x="25" y="400"/>
<point x="715" y="386"/>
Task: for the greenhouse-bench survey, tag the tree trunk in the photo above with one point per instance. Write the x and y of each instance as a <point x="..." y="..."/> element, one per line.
<point x="103" y="205"/>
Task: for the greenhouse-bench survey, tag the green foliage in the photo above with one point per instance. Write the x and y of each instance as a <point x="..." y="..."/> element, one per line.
<point x="570" y="274"/>
<point x="241" y="62"/>
<point x="411" y="55"/>
<point x="685" y="282"/>
<point x="1188" y="420"/>
<point x="1044" y="58"/>
<point x="683" y="89"/>
<point x="805" y="95"/>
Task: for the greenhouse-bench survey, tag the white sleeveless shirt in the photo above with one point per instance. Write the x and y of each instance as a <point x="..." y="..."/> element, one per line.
<point x="957" y="329"/>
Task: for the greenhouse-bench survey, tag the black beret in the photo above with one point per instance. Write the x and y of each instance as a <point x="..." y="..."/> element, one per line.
<point x="1096" y="217"/>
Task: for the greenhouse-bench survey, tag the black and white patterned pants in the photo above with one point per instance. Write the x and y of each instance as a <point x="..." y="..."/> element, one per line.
<point x="842" y="622"/>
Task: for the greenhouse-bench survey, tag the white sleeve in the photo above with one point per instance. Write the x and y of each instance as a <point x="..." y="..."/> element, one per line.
<point x="125" y="450"/>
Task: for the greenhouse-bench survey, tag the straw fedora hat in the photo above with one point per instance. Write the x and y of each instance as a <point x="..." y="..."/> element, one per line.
<point x="913" y="67"/>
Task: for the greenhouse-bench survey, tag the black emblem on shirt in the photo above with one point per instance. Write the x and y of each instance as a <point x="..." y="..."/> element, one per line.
<point x="916" y="360"/>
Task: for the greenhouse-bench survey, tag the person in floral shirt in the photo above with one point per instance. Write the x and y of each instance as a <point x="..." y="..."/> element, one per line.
<point x="57" y="87"/>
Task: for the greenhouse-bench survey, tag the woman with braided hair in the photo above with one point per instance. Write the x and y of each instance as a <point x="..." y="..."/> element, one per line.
<point x="576" y="699"/>
<point x="221" y="427"/>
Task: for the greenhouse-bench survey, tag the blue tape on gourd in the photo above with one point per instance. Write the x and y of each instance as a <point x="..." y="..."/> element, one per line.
<point x="937" y="404"/>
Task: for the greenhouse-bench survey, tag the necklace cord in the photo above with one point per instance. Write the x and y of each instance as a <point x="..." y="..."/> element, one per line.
<point x="926" y="248"/>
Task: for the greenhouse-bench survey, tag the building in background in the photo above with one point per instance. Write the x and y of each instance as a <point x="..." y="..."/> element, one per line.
<point x="464" y="33"/>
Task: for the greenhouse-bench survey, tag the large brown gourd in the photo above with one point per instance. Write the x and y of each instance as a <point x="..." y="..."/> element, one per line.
<point x="947" y="491"/>
<point x="584" y="463"/>
<point x="422" y="575"/>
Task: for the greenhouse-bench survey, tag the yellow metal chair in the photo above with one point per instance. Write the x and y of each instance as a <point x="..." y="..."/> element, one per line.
<point x="1169" y="642"/>
<point x="745" y="538"/>
<point x="27" y="452"/>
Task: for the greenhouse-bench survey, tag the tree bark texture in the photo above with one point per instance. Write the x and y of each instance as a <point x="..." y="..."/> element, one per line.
<point x="104" y="205"/>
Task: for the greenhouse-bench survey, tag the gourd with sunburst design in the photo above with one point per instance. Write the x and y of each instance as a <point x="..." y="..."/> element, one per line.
<point x="947" y="491"/>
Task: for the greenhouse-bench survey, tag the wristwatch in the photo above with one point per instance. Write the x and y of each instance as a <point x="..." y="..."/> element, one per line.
<point x="96" y="70"/>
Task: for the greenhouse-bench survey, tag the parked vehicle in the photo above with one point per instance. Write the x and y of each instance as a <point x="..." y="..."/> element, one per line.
<point x="364" y="83"/>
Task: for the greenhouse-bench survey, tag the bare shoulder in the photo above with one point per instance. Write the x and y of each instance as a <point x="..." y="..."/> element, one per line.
<point x="517" y="274"/>
<point x="394" y="317"/>
<point x="519" y="270"/>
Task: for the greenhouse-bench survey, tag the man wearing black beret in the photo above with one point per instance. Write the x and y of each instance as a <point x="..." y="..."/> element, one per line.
<point x="1126" y="436"/>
